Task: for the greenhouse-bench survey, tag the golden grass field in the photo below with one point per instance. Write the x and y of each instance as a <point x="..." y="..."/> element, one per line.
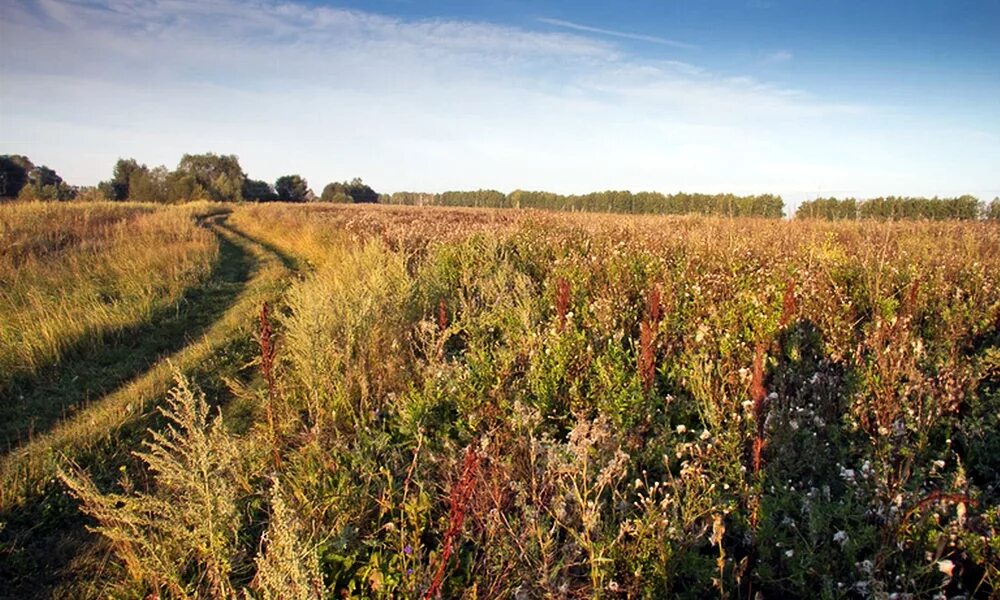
<point x="473" y="403"/>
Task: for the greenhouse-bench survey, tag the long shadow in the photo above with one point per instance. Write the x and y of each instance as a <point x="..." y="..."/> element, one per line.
<point x="46" y="547"/>
<point x="287" y="260"/>
<point x="44" y="544"/>
<point x="94" y="368"/>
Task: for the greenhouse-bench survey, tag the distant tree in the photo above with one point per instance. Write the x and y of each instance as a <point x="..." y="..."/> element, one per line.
<point x="292" y="188"/>
<point x="529" y="199"/>
<point x="992" y="211"/>
<point x="106" y="190"/>
<point x="45" y="184"/>
<point x="184" y="187"/>
<point x="14" y="171"/>
<point x="355" y="190"/>
<point x="617" y="201"/>
<point x="966" y="207"/>
<point x="131" y="180"/>
<point x="830" y="209"/>
<point x="482" y="198"/>
<point x="215" y="177"/>
<point x="411" y="198"/>
<point x="149" y="185"/>
<point x="121" y="176"/>
<point x="212" y="177"/>
<point x="360" y="192"/>
<point x="42" y="176"/>
<point x="258" y="191"/>
<point x="892" y="208"/>
<point x="91" y="193"/>
<point x="335" y="192"/>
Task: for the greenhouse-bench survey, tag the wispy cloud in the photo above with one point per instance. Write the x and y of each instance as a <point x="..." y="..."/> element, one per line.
<point x="424" y="104"/>
<point x="779" y="56"/>
<point x="654" y="39"/>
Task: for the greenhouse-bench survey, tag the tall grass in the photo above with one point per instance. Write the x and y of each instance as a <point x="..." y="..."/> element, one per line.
<point x="25" y="472"/>
<point x="347" y="319"/>
<point x="71" y="275"/>
<point x="472" y="405"/>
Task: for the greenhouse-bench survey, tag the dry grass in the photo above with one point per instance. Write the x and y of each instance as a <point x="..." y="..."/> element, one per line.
<point x="71" y="275"/>
<point x="26" y="471"/>
<point x="514" y="404"/>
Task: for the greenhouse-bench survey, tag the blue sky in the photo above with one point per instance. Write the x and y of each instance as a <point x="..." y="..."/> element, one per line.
<point x="796" y="98"/>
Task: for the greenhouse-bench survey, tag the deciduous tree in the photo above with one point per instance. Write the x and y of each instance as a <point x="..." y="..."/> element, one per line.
<point x="291" y="188"/>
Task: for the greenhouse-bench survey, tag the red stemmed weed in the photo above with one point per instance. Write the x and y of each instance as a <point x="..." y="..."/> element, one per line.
<point x="461" y="494"/>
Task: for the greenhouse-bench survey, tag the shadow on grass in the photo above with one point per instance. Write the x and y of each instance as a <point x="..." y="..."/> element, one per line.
<point x="287" y="260"/>
<point x="45" y="548"/>
<point x="92" y="369"/>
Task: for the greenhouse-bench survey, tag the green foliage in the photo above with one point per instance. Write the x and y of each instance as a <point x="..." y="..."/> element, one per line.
<point x="830" y="209"/>
<point x="820" y="418"/>
<point x="992" y="211"/>
<point x="412" y="198"/>
<point x="216" y="177"/>
<point x="185" y="537"/>
<point x="182" y="538"/>
<point x="478" y="198"/>
<point x="198" y="177"/>
<point x="764" y="205"/>
<point x="92" y="193"/>
<point x="349" y="191"/>
<point x="292" y="188"/>
<point x="45" y="193"/>
<point x="33" y="183"/>
<point x="258" y="191"/>
<point x="891" y="208"/>
<point x="121" y="177"/>
<point x="14" y="172"/>
<point x="335" y="192"/>
<point x="340" y="322"/>
<point x="287" y="568"/>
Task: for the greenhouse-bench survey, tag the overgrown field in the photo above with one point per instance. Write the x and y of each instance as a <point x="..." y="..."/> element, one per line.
<point x="504" y="404"/>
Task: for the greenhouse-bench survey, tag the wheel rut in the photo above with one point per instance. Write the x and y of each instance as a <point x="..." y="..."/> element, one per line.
<point x="42" y="533"/>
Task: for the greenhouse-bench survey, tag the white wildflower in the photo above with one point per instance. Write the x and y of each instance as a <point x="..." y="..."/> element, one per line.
<point x="847" y="474"/>
<point x="946" y="567"/>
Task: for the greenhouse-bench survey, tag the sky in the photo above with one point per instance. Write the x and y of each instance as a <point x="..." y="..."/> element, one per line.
<point x="801" y="99"/>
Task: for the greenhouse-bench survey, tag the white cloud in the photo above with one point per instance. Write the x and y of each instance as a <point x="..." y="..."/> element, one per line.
<point x="620" y="34"/>
<point x="779" y="56"/>
<point x="425" y="105"/>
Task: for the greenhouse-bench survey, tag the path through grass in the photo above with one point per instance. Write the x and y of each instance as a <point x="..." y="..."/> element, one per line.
<point x="41" y="532"/>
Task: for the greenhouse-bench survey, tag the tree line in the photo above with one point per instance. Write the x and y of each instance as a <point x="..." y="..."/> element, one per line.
<point x="220" y="178"/>
<point x="612" y="201"/>
<point x="213" y="177"/>
<point x="892" y="208"/>
<point x="19" y="176"/>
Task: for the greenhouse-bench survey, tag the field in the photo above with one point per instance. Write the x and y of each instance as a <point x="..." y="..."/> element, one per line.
<point x="281" y="401"/>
